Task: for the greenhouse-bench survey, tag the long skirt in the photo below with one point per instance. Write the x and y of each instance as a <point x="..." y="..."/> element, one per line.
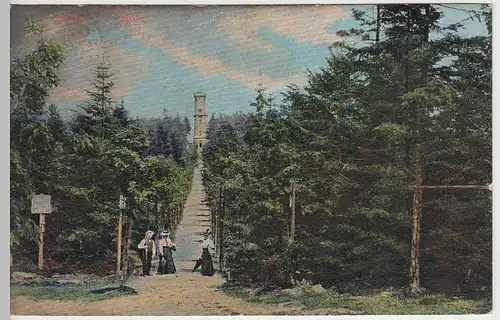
<point x="169" y="267"/>
<point x="207" y="267"/>
<point x="146" y="261"/>
<point x="160" y="264"/>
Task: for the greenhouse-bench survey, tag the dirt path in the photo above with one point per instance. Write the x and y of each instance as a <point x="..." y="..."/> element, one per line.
<point x="195" y="220"/>
<point x="184" y="293"/>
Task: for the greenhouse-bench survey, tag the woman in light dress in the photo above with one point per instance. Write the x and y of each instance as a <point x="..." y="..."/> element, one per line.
<point x="147" y="252"/>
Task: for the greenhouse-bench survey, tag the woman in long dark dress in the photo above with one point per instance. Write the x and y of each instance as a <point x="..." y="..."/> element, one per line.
<point x="207" y="254"/>
<point x="168" y="248"/>
<point x="161" y="242"/>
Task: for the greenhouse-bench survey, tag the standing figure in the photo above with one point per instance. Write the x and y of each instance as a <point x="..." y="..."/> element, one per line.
<point x="207" y="254"/>
<point x="147" y="252"/>
<point x="161" y="244"/>
<point x="167" y="248"/>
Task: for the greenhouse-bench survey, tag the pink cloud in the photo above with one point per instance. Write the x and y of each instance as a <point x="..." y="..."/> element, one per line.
<point x="303" y="23"/>
<point x="69" y="27"/>
<point x="253" y="80"/>
<point x="62" y="93"/>
<point x="81" y="64"/>
<point x="211" y="66"/>
<point x="206" y="65"/>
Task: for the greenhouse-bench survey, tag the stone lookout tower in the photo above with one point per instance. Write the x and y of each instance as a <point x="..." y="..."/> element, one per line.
<point x="200" y="120"/>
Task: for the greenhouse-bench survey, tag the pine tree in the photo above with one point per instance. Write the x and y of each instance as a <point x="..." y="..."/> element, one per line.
<point x="32" y="147"/>
<point x="373" y="121"/>
<point x="97" y="114"/>
<point x="121" y="114"/>
<point x="187" y="125"/>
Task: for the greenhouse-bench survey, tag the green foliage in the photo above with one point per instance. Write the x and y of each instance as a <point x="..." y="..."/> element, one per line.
<point x="390" y="302"/>
<point x="34" y="143"/>
<point x="168" y="137"/>
<point x="86" y="168"/>
<point x="348" y="140"/>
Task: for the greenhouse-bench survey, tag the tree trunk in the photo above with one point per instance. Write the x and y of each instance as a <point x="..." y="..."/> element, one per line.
<point x="292" y="205"/>
<point x="19" y="97"/>
<point x="221" y="233"/>
<point x="377" y="34"/>
<point x="179" y="212"/>
<point x="169" y="218"/>
<point x="406" y="53"/>
<point x="417" y="211"/>
<point x="419" y="177"/>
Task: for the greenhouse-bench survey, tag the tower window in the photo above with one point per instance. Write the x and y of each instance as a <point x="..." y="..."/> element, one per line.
<point x="199" y="145"/>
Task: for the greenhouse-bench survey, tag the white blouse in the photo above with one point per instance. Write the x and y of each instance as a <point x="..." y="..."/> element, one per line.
<point x="164" y="242"/>
<point x="208" y="244"/>
<point x="142" y="245"/>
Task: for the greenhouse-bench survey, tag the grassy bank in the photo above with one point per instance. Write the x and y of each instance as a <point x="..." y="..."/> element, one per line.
<point x="70" y="292"/>
<point x="377" y="303"/>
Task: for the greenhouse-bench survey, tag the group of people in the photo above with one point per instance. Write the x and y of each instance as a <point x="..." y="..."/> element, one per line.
<point x="148" y="251"/>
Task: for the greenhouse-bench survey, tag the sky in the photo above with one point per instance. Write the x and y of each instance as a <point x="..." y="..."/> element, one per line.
<point x="161" y="55"/>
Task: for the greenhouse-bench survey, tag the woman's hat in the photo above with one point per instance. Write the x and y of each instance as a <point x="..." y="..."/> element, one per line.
<point x="207" y="232"/>
<point x="165" y="233"/>
<point x="149" y="233"/>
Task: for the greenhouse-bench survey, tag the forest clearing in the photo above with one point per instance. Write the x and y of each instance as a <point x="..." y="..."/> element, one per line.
<point x="189" y="293"/>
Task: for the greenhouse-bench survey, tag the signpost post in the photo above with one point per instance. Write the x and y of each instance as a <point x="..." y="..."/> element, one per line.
<point x="122" y="206"/>
<point x="221" y="228"/>
<point x="40" y="204"/>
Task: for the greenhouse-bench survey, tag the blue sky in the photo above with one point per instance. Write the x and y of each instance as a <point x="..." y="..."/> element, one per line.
<point x="162" y="55"/>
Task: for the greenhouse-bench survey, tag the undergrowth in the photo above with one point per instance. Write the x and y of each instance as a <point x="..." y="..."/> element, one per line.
<point x="70" y="292"/>
<point x="391" y="302"/>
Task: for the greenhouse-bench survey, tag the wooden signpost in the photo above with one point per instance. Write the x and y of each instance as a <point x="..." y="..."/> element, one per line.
<point x="122" y="206"/>
<point x="40" y="204"/>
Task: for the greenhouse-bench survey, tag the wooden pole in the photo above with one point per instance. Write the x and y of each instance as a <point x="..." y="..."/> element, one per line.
<point x="216" y="236"/>
<point x="119" y="244"/>
<point x="156" y="214"/>
<point x="40" y="247"/>
<point x="292" y="205"/>
<point x="282" y="213"/>
<point x="181" y="206"/>
<point x="127" y="248"/>
<point x="212" y="222"/>
<point x="221" y="227"/>
<point x="217" y="224"/>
